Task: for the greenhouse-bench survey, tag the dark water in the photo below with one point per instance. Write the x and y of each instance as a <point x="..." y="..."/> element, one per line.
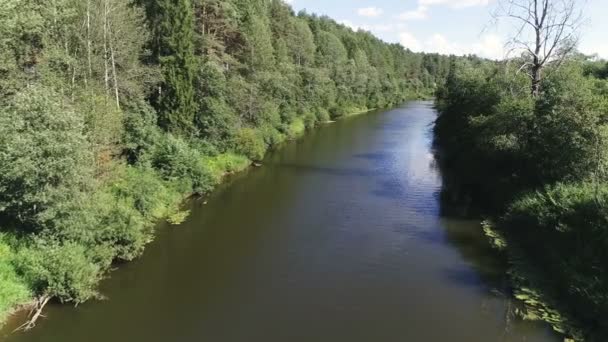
<point x="338" y="238"/>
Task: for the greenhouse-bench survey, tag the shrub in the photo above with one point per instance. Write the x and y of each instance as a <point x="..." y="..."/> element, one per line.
<point x="323" y="115"/>
<point x="564" y="230"/>
<point x="250" y="143"/>
<point x="310" y="120"/>
<point x="177" y="161"/>
<point x="150" y="195"/>
<point x="45" y="157"/>
<point x="296" y="128"/>
<point x="226" y="163"/>
<point x="14" y="290"/>
<point x="61" y="270"/>
<point x="140" y="131"/>
<point x="120" y="228"/>
<point x="271" y="135"/>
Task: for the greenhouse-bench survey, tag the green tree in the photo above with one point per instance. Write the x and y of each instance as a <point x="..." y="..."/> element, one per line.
<point x="175" y="51"/>
<point x="301" y="42"/>
<point x="44" y="157"/>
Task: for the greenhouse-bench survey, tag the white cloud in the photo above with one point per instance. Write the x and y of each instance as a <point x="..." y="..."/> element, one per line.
<point x="370" y="12"/>
<point x="439" y="43"/>
<point x="599" y="48"/>
<point x="376" y="28"/>
<point x="349" y="24"/>
<point x="409" y="41"/>
<point x="455" y="3"/>
<point x="419" y="13"/>
<point x="488" y="46"/>
<point x="379" y="28"/>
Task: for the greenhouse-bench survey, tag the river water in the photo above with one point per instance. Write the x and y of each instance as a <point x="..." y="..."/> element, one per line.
<point x="340" y="237"/>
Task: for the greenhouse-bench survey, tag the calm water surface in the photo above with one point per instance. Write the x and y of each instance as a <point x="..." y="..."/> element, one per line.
<point x="339" y="237"/>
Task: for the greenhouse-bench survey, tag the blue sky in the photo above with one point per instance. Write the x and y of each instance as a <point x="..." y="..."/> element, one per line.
<point x="447" y="26"/>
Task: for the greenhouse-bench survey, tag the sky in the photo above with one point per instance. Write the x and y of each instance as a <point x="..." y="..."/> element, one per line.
<point x="448" y="26"/>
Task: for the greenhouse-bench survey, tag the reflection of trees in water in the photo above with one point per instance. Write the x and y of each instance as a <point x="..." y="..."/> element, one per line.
<point x="461" y="208"/>
<point x="488" y="267"/>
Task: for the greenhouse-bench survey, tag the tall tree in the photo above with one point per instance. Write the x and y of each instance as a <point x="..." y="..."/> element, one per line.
<point x="175" y="51"/>
<point x="301" y="42"/>
<point x="546" y="32"/>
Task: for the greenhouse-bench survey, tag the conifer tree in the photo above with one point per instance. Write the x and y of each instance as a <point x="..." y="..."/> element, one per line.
<point x="175" y="51"/>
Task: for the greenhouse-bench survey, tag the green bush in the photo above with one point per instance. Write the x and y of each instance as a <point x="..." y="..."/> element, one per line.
<point x="271" y="135"/>
<point x="296" y="128"/>
<point x="178" y="161"/>
<point x="564" y="229"/>
<point x="45" y="157"/>
<point x="226" y="163"/>
<point x="323" y="115"/>
<point x="250" y="143"/>
<point x="14" y="290"/>
<point x="121" y="228"/>
<point x="140" y="131"/>
<point x="59" y="270"/>
<point x="152" y="197"/>
<point x="310" y="120"/>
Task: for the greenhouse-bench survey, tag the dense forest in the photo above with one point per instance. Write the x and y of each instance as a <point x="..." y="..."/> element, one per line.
<point x="112" y="112"/>
<point x="537" y="161"/>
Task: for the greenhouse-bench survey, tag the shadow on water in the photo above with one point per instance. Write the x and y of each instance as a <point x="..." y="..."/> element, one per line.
<point x="488" y="267"/>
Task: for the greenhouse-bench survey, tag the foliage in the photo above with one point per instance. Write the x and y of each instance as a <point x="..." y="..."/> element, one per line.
<point x="564" y="229"/>
<point x="14" y="290"/>
<point x="178" y="161"/>
<point x="44" y="157"/>
<point x="112" y="112"/>
<point x="250" y="143"/>
<point x="227" y="163"/>
<point x="175" y="48"/>
<point x="538" y="162"/>
<point x="58" y="270"/>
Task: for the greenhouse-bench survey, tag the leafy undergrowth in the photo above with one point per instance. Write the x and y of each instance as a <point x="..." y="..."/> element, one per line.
<point x="556" y="242"/>
<point x="14" y="290"/>
<point x="122" y="214"/>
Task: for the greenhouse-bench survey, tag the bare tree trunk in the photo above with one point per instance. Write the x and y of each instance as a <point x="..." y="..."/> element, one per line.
<point x="546" y="31"/>
<point x="536" y="80"/>
<point x="105" y="46"/>
<point x="73" y="81"/>
<point x="115" y="79"/>
<point x="536" y="64"/>
<point x="90" y="64"/>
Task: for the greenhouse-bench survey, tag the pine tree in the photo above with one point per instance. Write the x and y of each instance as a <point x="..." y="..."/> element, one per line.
<point x="175" y="51"/>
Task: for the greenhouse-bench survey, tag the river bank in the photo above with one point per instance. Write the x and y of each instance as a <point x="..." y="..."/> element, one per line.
<point x="336" y="229"/>
<point x="527" y="281"/>
<point x="168" y="208"/>
<point x="535" y="165"/>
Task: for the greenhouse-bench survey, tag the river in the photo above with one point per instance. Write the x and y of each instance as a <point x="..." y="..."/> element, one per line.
<point x="340" y="236"/>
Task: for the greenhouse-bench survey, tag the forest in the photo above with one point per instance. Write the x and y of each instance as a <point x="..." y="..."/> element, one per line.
<point x="113" y="112"/>
<point x="533" y="152"/>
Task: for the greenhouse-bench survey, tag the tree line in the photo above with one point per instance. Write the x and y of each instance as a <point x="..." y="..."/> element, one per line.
<point x="112" y="111"/>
